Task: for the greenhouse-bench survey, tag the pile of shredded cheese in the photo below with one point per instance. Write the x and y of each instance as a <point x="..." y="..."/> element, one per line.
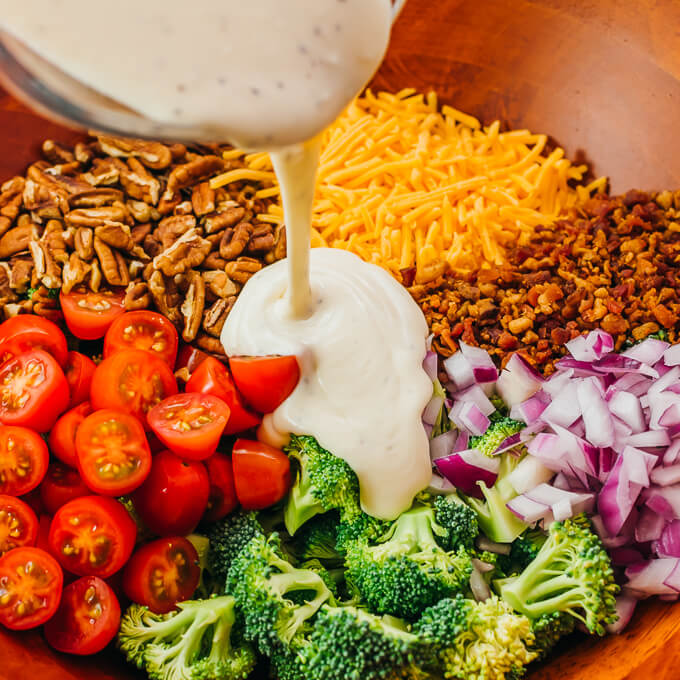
<point x="404" y="184"/>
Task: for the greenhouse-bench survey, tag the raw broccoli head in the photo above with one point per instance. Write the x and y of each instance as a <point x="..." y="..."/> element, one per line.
<point x="350" y="644"/>
<point x="458" y="519"/>
<point x="571" y="573"/>
<point x="476" y="640"/>
<point x="324" y="482"/>
<point x="499" y="430"/>
<point x="195" y="642"/>
<point x="523" y="550"/>
<point x="262" y="581"/>
<point x="407" y="571"/>
<point x="548" y="630"/>
<point x="317" y="539"/>
<point x="227" y="538"/>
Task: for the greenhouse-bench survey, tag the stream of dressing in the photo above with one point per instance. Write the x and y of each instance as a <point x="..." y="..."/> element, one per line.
<point x="269" y="75"/>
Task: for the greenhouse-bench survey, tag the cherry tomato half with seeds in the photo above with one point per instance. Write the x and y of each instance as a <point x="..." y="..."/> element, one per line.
<point x="79" y="370"/>
<point x="88" y="315"/>
<point x="222" y="499"/>
<point x="261" y="474"/>
<point x="162" y="573"/>
<point x="61" y="485"/>
<point x="62" y="439"/>
<point x="23" y="460"/>
<point x="31" y="581"/>
<point x="132" y="381"/>
<point x="174" y="496"/>
<point x="33" y="391"/>
<point x="27" y="331"/>
<point x="190" y="424"/>
<point x="265" y="382"/>
<point x="92" y="536"/>
<point x="87" y="618"/>
<point x="145" y="330"/>
<point x="18" y="524"/>
<point x="212" y="377"/>
<point x="113" y="455"/>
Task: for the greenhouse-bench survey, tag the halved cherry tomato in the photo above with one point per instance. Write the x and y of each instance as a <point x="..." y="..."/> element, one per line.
<point x="61" y="485"/>
<point x="162" y="573"/>
<point x="27" y="331"/>
<point x="174" y="496"/>
<point x="190" y="357"/>
<point x="265" y="382"/>
<point x="88" y="315"/>
<point x="33" y="390"/>
<point x="143" y="330"/>
<point x="31" y="581"/>
<point x="212" y="377"/>
<point x="18" y="524"/>
<point x="23" y="460"/>
<point x="62" y="439"/>
<point x="87" y="619"/>
<point x="222" y="498"/>
<point x="113" y="455"/>
<point x="190" y="424"/>
<point x="79" y="370"/>
<point x="261" y="474"/>
<point x="92" y="536"/>
<point x="132" y="381"/>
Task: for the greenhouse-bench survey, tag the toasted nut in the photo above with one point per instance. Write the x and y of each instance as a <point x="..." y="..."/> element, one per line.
<point x="74" y="273"/>
<point x="242" y="269"/>
<point x="55" y="152"/>
<point x="171" y="228"/>
<point x="140" y="231"/>
<point x="191" y="173"/>
<point x="187" y="252"/>
<point x="235" y="240"/>
<point x="216" y="315"/>
<point x="193" y="305"/>
<point x="95" y="198"/>
<point x="15" y="240"/>
<point x="209" y="344"/>
<point x="224" y="218"/>
<point x="152" y="154"/>
<point x="261" y="239"/>
<point x="112" y="264"/>
<point x="203" y="199"/>
<point x="137" y="296"/>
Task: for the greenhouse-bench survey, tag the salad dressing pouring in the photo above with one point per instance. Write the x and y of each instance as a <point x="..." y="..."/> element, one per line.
<point x="265" y="78"/>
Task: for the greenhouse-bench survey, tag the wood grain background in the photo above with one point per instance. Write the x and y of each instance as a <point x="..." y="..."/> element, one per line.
<point x="603" y="78"/>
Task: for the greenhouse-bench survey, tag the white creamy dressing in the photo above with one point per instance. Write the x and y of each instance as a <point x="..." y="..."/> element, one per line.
<point x="266" y="74"/>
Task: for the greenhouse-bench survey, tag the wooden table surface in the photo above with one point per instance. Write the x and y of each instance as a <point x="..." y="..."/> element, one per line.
<point x="603" y="78"/>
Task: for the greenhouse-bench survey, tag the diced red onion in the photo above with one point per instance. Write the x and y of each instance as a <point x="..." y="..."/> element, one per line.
<point x="518" y="381"/>
<point x="649" y="440"/>
<point x="672" y="454"/>
<point x="564" y="410"/>
<point x="671" y="357"/>
<point x="608" y="540"/>
<point x="529" y="473"/>
<point x="434" y="406"/>
<point x="625" y="606"/>
<point x="430" y="365"/>
<point x="634" y="383"/>
<point x="461" y="441"/>
<point x="668" y="544"/>
<point x="617" y="364"/>
<point x="466" y="468"/>
<point x="625" y="556"/>
<point x="508" y="443"/>
<point x="459" y="370"/>
<point x="649" y="526"/>
<point x="483" y="368"/>
<point x="482" y="567"/>
<point x="648" y="351"/>
<point x="467" y="416"/>
<point x="475" y="394"/>
<point x="442" y="445"/>
<point x="439" y="485"/>
<point x="529" y="411"/>
<point x="666" y="380"/>
<point x="548" y="502"/>
<point x="654" y="577"/>
<point x="527" y="510"/>
<point x="626" y="406"/>
<point x="664" y="500"/>
<point x="478" y="586"/>
<point x="549" y="449"/>
<point x="592" y="346"/>
<point x="596" y="416"/>
<point x="483" y="543"/>
<point x="666" y="476"/>
<point x="664" y="409"/>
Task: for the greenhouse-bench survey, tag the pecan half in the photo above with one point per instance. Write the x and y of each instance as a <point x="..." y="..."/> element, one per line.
<point x="16" y="240"/>
<point x="137" y="296"/>
<point x="20" y="273"/>
<point x="45" y="269"/>
<point x="119" y="236"/>
<point x="96" y="198"/>
<point x="165" y="296"/>
<point x="104" y="171"/>
<point x="83" y="242"/>
<point x="203" y="199"/>
<point x="209" y="344"/>
<point x="6" y="292"/>
<point x="187" y="252"/>
<point x="242" y="269"/>
<point x="113" y="265"/>
<point x="84" y="153"/>
<point x="137" y="181"/>
<point x="188" y="174"/>
<point x="46" y="305"/>
<point x="193" y="305"/>
<point x="154" y="155"/>
<point x="235" y="240"/>
<point x="94" y="217"/>
<point x="216" y="315"/>
<point x="140" y="231"/>
<point x="171" y="228"/>
<point x="141" y="211"/>
<point x="55" y="152"/>
<point x="54" y="241"/>
<point x="219" y="284"/>
<point x="223" y="219"/>
<point x="214" y="261"/>
<point x="44" y="201"/>
<point x="261" y="239"/>
<point x="74" y="273"/>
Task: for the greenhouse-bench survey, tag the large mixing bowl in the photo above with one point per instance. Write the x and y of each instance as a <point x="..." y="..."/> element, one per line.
<point x="603" y="78"/>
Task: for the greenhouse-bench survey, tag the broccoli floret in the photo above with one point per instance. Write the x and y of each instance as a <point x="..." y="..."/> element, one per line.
<point x="459" y="519"/>
<point x="262" y="582"/>
<point x="407" y="571"/>
<point x="523" y="550"/>
<point x="501" y="408"/>
<point x="499" y="430"/>
<point x="572" y="573"/>
<point x="350" y="644"/>
<point x="493" y="516"/>
<point x="332" y="578"/>
<point x="317" y="539"/>
<point x="548" y="629"/>
<point x="476" y="640"/>
<point x="227" y="538"/>
<point x="192" y="643"/>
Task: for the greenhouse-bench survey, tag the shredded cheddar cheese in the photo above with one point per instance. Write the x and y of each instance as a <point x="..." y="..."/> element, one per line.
<point x="404" y="184"/>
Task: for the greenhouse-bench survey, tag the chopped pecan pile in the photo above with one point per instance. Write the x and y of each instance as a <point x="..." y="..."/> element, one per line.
<point x="613" y="265"/>
<point x="140" y="216"/>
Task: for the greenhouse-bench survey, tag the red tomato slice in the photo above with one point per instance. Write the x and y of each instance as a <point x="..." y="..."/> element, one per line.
<point x="18" y="524"/>
<point x="265" y="382"/>
<point x="190" y="424"/>
<point x="174" y="496"/>
<point x="162" y="573"/>
<point x="132" y="381"/>
<point x="113" y="455"/>
<point x="87" y="619"/>
<point x="261" y="474"/>
<point x="92" y="536"/>
<point x="190" y="357"/>
<point x="212" y="377"/>
<point x="143" y="330"/>
<point x="62" y="439"/>
<point x="33" y="391"/>
<point x="30" y="588"/>
<point x="79" y="370"/>
<point x="23" y="460"/>
<point x="61" y="485"/>
<point x="222" y="498"/>
<point x="27" y="331"/>
<point x="88" y="315"/>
